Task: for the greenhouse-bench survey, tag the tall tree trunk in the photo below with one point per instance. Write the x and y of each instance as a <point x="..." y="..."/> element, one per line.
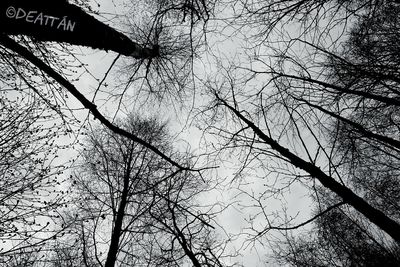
<point x="117" y="230"/>
<point x="377" y="217"/>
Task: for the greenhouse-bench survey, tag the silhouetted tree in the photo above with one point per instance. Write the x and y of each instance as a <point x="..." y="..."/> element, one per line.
<point x="305" y="100"/>
<point x="308" y="99"/>
<point x="134" y="208"/>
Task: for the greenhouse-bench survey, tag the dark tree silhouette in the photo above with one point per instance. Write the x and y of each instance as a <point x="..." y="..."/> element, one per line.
<point x="364" y="136"/>
<point x="307" y="97"/>
<point x="329" y="102"/>
<point x="135" y="208"/>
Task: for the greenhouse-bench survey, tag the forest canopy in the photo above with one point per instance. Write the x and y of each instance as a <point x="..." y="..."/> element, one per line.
<point x="238" y="133"/>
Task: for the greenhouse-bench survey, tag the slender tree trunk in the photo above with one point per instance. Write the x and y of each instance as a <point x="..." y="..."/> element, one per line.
<point x="377" y="217"/>
<point x="117" y="230"/>
<point x="116" y="233"/>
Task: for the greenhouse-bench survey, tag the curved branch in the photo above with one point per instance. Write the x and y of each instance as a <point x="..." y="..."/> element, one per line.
<point x="303" y="223"/>
<point x="25" y="53"/>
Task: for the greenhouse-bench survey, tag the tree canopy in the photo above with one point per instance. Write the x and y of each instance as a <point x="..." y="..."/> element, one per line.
<point x="268" y="127"/>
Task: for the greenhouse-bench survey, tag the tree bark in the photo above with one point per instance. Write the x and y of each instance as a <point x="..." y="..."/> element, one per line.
<point x="68" y="23"/>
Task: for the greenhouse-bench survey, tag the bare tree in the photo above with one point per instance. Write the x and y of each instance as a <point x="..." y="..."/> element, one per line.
<point x="316" y="95"/>
<point x="134" y="208"/>
<point x="311" y="100"/>
<point x="364" y="140"/>
<point x="35" y="66"/>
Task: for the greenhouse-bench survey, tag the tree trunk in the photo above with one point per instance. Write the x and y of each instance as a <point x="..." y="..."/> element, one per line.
<point x="116" y="232"/>
<point x="377" y="217"/>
